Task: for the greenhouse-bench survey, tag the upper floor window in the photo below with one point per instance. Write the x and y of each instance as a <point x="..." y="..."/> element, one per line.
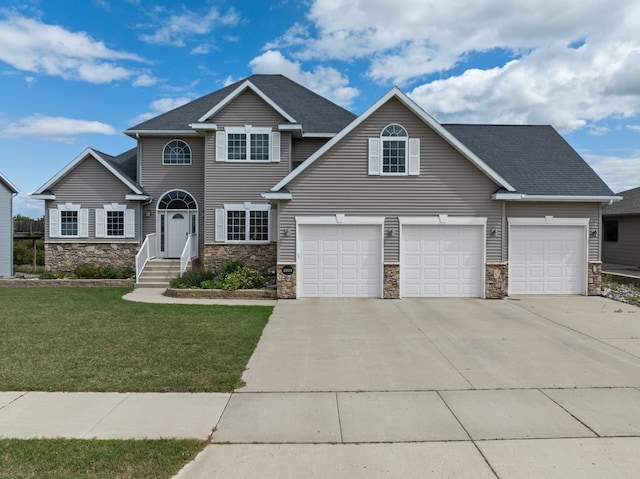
<point x="394" y="150"/>
<point x="394" y="153"/>
<point x="176" y="152"/>
<point x="248" y="143"/>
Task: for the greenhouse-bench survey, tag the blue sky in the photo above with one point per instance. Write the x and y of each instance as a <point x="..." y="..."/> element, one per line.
<point x="76" y="73"/>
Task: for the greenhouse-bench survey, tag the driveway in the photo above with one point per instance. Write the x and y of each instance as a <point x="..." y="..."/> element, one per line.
<point x="447" y="344"/>
<point x="518" y="388"/>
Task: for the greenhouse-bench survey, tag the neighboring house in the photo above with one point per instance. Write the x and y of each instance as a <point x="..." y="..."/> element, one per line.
<point x="387" y="204"/>
<point x="7" y="192"/>
<point x="621" y="230"/>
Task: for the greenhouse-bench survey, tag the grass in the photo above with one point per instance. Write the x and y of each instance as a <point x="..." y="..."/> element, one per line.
<point x="90" y="339"/>
<point x="93" y="459"/>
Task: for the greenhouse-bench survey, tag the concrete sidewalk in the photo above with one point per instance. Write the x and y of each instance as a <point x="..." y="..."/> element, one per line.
<point x="156" y="295"/>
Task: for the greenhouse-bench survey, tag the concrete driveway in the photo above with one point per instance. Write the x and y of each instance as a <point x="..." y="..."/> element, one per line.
<point x="518" y="388"/>
<point x="440" y="344"/>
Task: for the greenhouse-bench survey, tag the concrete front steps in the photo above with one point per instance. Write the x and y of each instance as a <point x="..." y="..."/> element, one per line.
<point x="158" y="272"/>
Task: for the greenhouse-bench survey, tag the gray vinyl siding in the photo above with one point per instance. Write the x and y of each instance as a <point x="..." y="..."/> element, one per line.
<point x="157" y="179"/>
<point x="527" y="209"/>
<point x="248" y="109"/>
<point x="626" y="250"/>
<point x="91" y="186"/>
<point x="338" y="182"/>
<point x="6" y="231"/>
<point x="303" y="148"/>
<point x="239" y="182"/>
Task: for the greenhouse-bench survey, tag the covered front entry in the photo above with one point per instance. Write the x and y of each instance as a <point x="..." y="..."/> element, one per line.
<point x="547" y="256"/>
<point x="177" y="219"/>
<point x="339" y="259"/>
<point x="442" y="260"/>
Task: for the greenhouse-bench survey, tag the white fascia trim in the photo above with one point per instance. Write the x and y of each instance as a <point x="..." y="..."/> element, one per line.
<point x="247" y="206"/>
<point x="442" y="220"/>
<point x="339" y="219"/>
<point x="10" y="185"/>
<point x="277" y="196"/>
<point x="204" y="126"/>
<point x="137" y="197"/>
<point x="579" y="199"/>
<point x="288" y="127"/>
<point x="548" y="220"/>
<point x="81" y="157"/>
<point x="404" y="99"/>
<point x="136" y="133"/>
<point x="41" y="196"/>
<point x="246" y="84"/>
<point x="318" y="135"/>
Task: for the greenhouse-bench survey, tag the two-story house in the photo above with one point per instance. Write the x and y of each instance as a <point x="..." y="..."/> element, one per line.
<point x="386" y="204"/>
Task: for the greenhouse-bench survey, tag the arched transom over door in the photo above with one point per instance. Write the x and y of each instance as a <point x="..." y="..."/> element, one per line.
<point x="177" y="218"/>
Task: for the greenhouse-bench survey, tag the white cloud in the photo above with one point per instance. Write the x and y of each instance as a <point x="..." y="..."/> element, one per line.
<point x="325" y="81"/>
<point x="570" y="63"/>
<point x="174" y="29"/>
<point x="160" y="106"/>
<point x="52" y="128"/>
<point x="145" y="80"/>
<point x="634" y="127"/>
<point x="619" y="172"/>
<point x="32" y="46"/>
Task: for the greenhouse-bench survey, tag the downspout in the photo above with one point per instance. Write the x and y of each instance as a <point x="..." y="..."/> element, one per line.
<point x="503" y="238"/>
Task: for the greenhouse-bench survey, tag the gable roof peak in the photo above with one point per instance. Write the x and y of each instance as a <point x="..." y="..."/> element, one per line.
<point x="8" y="184"/>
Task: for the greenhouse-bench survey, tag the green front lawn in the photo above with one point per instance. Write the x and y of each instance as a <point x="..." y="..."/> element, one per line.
<point x="90" y="339"/>
<point x="92" y="459"/>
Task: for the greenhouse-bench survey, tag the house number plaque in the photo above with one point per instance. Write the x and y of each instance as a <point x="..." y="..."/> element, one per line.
<point x="288" y="270"/>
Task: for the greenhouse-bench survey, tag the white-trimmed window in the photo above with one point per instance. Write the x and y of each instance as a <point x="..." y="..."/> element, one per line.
<point x="394" y="153"/>
<point x="248" y="143"/>
<point x="243" y="223"/>
<point x="68" y="220"/>
<point x="115" y="221"/>
<point x="176" y="152"/>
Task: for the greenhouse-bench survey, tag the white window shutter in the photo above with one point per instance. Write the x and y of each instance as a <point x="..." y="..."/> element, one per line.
<point x="414" y="156"/>
<point x="221" y="225"/>
<point x="129" y="223"/>
<point x="275" y="146"/>
<point x="221" y="146"/>
<point x="54" y="222"/>
<point x="84" y="223"/>
<point x="374" y="156"/>
<point x="100" y="223"/>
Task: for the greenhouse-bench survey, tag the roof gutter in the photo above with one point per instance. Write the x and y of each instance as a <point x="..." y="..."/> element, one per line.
<point x="277" y="196"/>
<point x="567" y="198"/>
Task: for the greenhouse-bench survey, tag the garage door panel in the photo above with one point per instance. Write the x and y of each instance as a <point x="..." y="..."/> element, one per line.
<point x="547" y="259"/>
<point x="449" y="263"/>
<point x="340" y="260"/>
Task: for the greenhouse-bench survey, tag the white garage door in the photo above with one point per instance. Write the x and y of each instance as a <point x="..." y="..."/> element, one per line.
<point x="547" y="259"/>
<point x="442" y="260"/>
<point x="340" y="261"/>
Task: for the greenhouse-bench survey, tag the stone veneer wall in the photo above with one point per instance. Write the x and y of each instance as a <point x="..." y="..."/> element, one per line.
<point x="68" y="256"/>
<point x="286" y="282"/>
<point x="262" y="257"/>
<point x="391" y="286"/>
<point x="594" y="286"/>
<point x="496" y="280"/>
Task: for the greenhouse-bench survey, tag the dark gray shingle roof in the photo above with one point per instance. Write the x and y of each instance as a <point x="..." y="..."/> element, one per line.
<point x="125" y="163"/>
<point x="315" y="113"/>
<point x="630" y="204"/>
<point x="534" y="159"/>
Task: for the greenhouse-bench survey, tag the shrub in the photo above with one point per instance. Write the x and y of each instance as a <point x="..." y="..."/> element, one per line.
<point x="87" y="271"/>
<point x="193" y="279"/>
<point x="243" y="278"/>
<point x="230" y="266"/>
<point x="210" y="284"/>
<point x="52" y="275"/>
<point x="128" y="272"/>
<point x="109" y="272"/>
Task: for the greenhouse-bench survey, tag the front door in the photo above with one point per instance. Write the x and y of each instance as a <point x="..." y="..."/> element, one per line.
<point x="177" y="232"/>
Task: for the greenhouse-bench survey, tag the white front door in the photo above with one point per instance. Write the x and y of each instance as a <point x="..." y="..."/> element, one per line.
<point x="177" y="232"/>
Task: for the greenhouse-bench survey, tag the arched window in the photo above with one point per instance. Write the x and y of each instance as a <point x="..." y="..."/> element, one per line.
<point x="177" y="200"/>
<point x="176" y="152"/>
<point x="394" y="150"/>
